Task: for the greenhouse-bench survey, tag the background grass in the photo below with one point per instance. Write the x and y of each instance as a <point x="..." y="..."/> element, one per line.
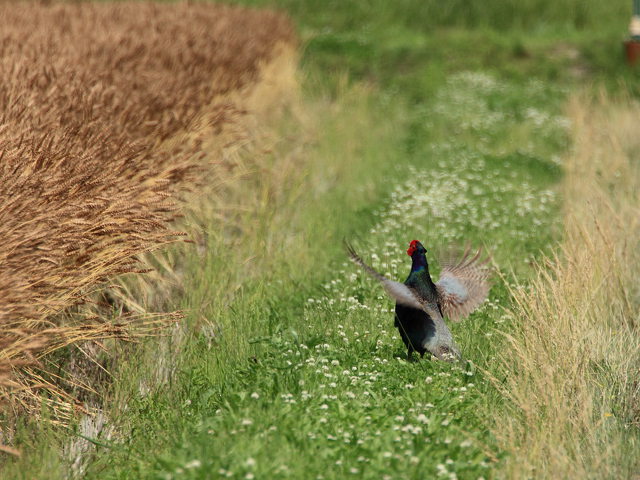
<point x="408" y="46"/>
<point x="416" y="121"/>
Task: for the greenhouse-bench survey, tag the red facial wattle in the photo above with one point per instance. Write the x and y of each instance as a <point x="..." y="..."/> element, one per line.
<point x="412" y="247"/>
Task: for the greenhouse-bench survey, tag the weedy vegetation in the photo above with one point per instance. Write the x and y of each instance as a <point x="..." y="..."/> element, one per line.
<point x="572" y="363"/>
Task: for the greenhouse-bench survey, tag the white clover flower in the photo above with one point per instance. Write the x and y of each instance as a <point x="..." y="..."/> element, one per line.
<point x="415" y="430"/>
<point x="193" y="464"/>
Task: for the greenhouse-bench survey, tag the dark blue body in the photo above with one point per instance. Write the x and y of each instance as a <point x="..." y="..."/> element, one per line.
<point x="416" y="326"/>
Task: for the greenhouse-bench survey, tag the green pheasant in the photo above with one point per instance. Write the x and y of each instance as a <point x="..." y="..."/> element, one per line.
<point x="422" y="305"/>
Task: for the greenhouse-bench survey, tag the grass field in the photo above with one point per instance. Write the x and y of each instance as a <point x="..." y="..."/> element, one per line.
<point x="441" y="124"/>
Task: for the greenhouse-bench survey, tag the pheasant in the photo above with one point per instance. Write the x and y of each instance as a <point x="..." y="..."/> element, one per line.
<point x="421" y="305"/>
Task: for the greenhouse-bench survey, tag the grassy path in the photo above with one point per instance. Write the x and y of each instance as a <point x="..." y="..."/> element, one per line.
<point x="307" y="377"/>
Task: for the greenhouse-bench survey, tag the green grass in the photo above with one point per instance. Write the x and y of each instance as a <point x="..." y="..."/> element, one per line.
<point x="289" y="365"/>
<point x="408" y="47"/>
<point x="305" y="377"/>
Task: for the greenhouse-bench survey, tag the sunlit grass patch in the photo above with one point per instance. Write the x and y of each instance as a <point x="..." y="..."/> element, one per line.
<point x="373" y="415"/>
<point x="304" y="374"/>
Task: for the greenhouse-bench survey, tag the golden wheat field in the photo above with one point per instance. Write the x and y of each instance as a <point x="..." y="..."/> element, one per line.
<point x="99" y="106"/>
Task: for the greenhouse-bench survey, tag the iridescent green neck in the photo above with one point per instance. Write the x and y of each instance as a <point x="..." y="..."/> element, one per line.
<point x="419" y="263"/>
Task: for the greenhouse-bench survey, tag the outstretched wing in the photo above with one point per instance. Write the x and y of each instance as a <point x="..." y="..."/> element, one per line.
<point x="463" y="284"/>
<point x="396" y="290"/>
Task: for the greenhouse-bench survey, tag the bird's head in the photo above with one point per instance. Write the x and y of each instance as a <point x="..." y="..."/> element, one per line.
<point x="415" y="246"/>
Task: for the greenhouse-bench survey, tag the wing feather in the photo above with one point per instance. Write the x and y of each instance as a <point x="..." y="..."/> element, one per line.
<point x="463" y="284"/>
<point x="396" y="290"/>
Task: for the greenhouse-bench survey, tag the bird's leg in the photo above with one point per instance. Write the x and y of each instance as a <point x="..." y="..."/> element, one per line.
<point x="422" y="354"/>
<point x="410" y="351"/>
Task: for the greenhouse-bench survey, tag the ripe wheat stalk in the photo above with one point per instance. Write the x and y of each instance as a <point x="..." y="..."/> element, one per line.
<point x="104" y="111"/>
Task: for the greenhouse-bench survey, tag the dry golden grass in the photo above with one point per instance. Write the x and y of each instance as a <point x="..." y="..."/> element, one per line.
<point x="105" y="110"/>
<point x="251" y="170"/>
<point x="571" y="367"/>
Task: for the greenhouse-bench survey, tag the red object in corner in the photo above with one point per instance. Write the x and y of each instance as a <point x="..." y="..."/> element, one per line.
<point x="632" y="51"/>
